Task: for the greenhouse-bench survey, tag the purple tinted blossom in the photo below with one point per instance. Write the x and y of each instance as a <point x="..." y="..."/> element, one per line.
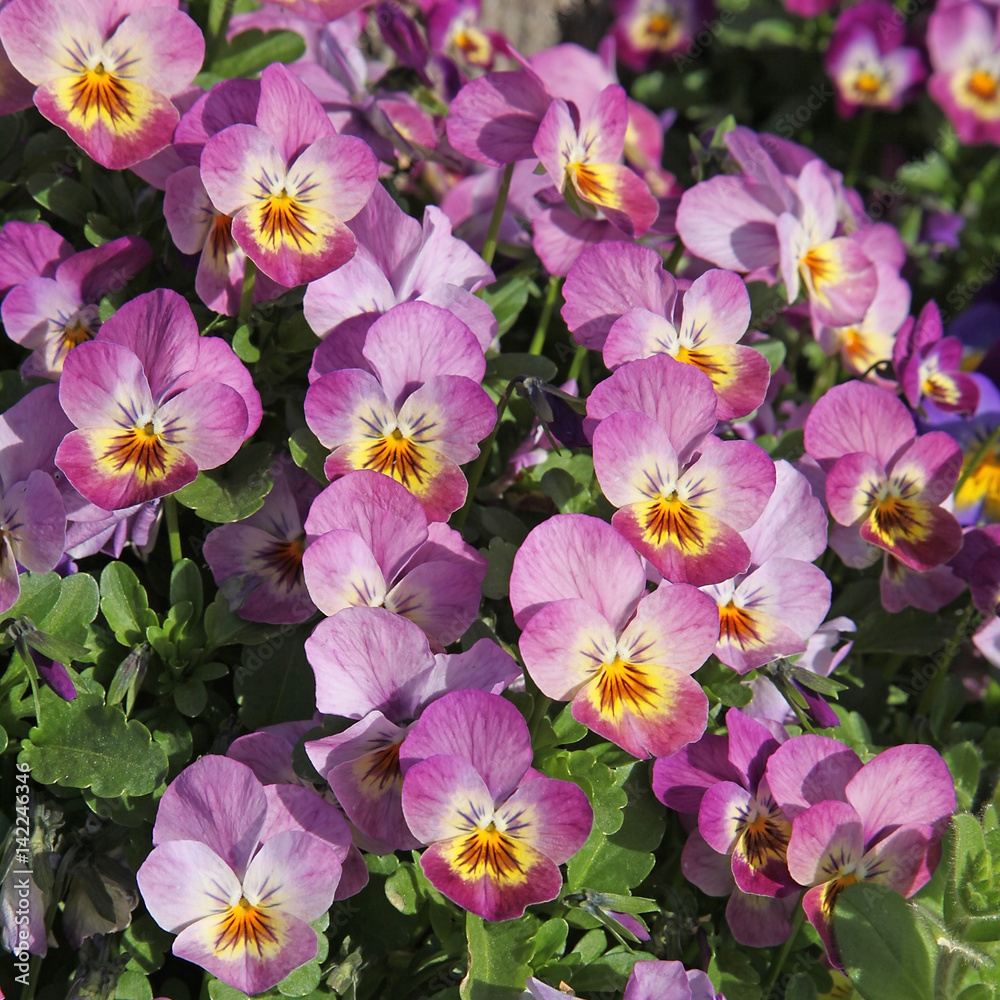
<point x="29" y="250"/>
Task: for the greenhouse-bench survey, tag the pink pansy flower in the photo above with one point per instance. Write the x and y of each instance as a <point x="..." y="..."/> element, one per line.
<point x="722" y="779"/>
<point x="378" y="668"/>
<point x="236" y="877"/>
<point x="453" y="28"/>
<point x="588" y="156"/>
<point x="105" y="71"/>
<point x="869" y="64"/>
<point x="590" y="636"/>
<point x="372" y="546"/>
<point x="257" y="562"/>
<point x="153" y="403"/>
<point x="902" y="587"/>
<point x="700" y="326"/>
<point x="289" y="182"/>
<point x="649" y="980"/>
<point x="32" y="515"/>
<point x="497" y="829"/>
<point x="774" y="609"/>
<point x="871" y="340"/>
<point x="650" y="30"/>
<point x="50" y="316"/>
<point x="15" y="92"/>
<point x="964" y="48"/>
<point x="414" y="412"/>
<point x="683" y="496"/>
<point x="882" y="477"/>
<point x="398" y="260"/>
<point x="880" y="823"/>
<point x="927" y="365"/>
<point x="29" y="250"/>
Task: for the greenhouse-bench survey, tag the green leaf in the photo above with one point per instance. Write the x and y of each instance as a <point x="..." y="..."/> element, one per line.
<point x="234" y="490"/>
<point x="569" y="495"/>
<point x="185" y="585"/>
<point x="508" y="366"/>
<point x="498" y="957"/>
<point x="302" y="981"/>
<point x="218" y="990"/>
<point x="274" y="682"/>
<point x="62" y="196"/>
<point x="308" y="453"/>
<point x="549" y="942"/>
<point x="500" y="556"/>
<point x="801" y="987"/>
<point x="881" y="945"/>
<point x="507" y="297"/>
<point x="55" y="648"/>
<point x="190" y="697"/>
<point x="250" y="51"/>
<point x="124" y="604"/>
<point x="242" y="347"/>
<point x="12" y="388"/>
<point x="39" y="594"/>
<point x="401" y="889"/>
<point x="733" y="975"/>
<point x="85" y="744"/>
<point x="773" y="350"/>
<point x="965" y="766"/>
<point x="133" y="985"/>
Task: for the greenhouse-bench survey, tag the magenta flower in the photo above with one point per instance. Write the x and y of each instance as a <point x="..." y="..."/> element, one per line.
<point x="104" y="78"/>
<point x="587" y="154"/>
<point x="372" y="546"/>
<point x="882" y="477"/>
<point x="153" y="403"/>
<point x="497" y="829"/>
<point x="869" y="64"/>
<point x="29" y="250"/>
<point x="964" y="48"/>
<point x="619" y="299"/>
<point x="289" y="182"/>
<point x="32" y="515"/>
<point x="590" y="636"/>
<point x="647" y="31"/>
<point x="378" y="668"/>
<point x="257" y="562"/>
<point x="453" y="29"/>
<point x="51" y="315"/>
<point x="398" y="260"/>
<point x="235" y="876"/>
<point x="416" y="410"/>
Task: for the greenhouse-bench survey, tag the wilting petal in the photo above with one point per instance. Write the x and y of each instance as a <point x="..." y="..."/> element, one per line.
<point x="576" y="556"/>
<point x="809" y="769"/>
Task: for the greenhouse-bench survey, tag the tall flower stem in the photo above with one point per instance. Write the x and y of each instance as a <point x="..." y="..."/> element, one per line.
<point x="476" y="472"/>
<point x="493" y="233"/>
<point x="173" y="529"/>
<point x="538" y="341"/>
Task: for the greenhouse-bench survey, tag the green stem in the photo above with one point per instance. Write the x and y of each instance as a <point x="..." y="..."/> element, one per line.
<point x="538" y="341"/>
<point x="978" y="457"/>
<point x="246" y="295"/>
<point x="476" y="472"/>
<point x="948" y="654"/>
<point x="173" y="530"/>
<point x="779" y="960"/>
<point x="860" y="145"/>
<point x="670" y="264"/>
<point x="577" y="366"/>
<point x="219" y="12"/>
<point x="493" y="233"/>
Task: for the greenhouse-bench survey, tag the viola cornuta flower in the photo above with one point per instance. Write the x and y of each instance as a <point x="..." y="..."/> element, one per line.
<point x="497" y="829"/>
<point x="29" y="250"/>
<point x="650" y="30"/>
<point x="105" y="71"/>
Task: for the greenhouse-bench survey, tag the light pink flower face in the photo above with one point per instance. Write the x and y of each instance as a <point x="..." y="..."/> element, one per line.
<point x="106" y="80"/>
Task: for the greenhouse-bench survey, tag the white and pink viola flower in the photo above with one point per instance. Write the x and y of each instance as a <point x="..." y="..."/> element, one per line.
<point x="236" y="877"/>
<point x="257" y="562"/>
<point x="398" y="260"/>
<point x="105" y="71"/>
<point x="497" y="830"/>
<point x="591" y="635"/>
<point x="409" y="407"/>
<point x="289" y="182"/>
<point x="378" y="669"/>
<point x="51" y="315"/>
<point x="964" y="45"/>
<point x="868" y="61"/>
<point x="371" y="545"/>
<point x="152" y="403"/>
<point x="619" y="299"/>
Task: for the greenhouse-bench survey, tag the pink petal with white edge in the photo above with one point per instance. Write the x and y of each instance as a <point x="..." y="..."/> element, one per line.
<point x="34" y="520"/>
<point x="855" y="417"/>
<point x="555" y="817"/>
<point x="594" y="300"/>
<point x="362" y="657"/>
<point x="102" y="385"/>
<point x="732" y="480"/>
<point x="639" y="333"/>
<point x="808" y="769"/>
<point x="341" y="572"/>
<point x="903" y="785"/>
<point x="443" y="796"/>
<point x="633" y="458"/>
<point x="716" y="309"/>
<point x="675" y="626"/>
<point x="564" y="646"/>
<point x="449" y="413"/>
<point x="826" y="839"/>
<point x="483" y="729"/>
<point x="576" y="556"/>
<point x="852" y="486"/>
<point x="722" y="810"/>
<point x="231" y="162"/>
<point x="208" y="422"/>
<point x="383" y="512"/>
<point x="162" y="48"/>
<point x="219" y="802"/>
<point x="679" y="397"/>
<point x="185" y="880"/>
<point x="932" y="463"/>
<point x="905" y="860"/>
<point x="294" y="872"/>
<point x="357" y="288"/>
<point x="339" y="172"/>
<point x="346" y="406"/>
<point x="37" y="311"/>
<point x="802" y="536"/>
<point x="554" y="141"/>
<point x="416" y="341"/>
<point x="34" y="37"/>
<point x="440" y="597"/>
<point x="289" y="112"/>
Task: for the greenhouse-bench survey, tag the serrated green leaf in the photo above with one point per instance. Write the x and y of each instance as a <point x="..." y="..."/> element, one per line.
<point x="498" y="957"/>
<point x="882" y="948"/>
<point x="85" y="744"/>
<point x="234" y="490"/>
